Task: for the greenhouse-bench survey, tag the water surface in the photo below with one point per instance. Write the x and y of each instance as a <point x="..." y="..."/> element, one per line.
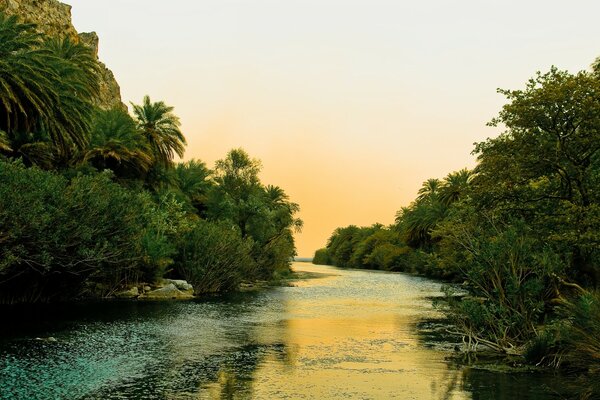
<point x="350" y="335"/>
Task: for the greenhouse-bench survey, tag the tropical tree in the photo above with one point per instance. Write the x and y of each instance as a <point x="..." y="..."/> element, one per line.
<point x="454" y="186"/>
<point x="116" y="144"/>
<point x="26" y="87"/>
<point x="429" y="189"/>
<point x="192" y="180"/>
<point x="81" y="67"/>
<point x="45" y="86"/>
<point x="238" y="194"/>
<point x="263" y="214"/>
<point x="161" y="128"/>
<point x="4" y="142"/>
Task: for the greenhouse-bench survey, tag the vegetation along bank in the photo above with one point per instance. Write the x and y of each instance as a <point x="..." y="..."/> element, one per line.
<point x="521" y="231"/>
<point x="92" y="203"/>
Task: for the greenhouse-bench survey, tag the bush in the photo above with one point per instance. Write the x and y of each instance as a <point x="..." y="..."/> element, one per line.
<point x="64" y="239"/>
<point x="511" y="282"/>
<point x="214" y="258"/>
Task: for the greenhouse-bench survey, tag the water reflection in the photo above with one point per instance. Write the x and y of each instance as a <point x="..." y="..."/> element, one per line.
<point x="354" y="334"/>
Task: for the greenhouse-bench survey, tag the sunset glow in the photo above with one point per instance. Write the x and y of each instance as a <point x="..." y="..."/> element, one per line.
<point x="350" y="105"/>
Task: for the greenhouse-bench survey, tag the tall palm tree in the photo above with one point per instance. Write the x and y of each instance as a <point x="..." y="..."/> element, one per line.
<point x="117" y="144"/>
<point x="77" y="71"/>
<point x="26" y="87"/>
<point x="42" y="89"/>
<point x="160" y="126"/>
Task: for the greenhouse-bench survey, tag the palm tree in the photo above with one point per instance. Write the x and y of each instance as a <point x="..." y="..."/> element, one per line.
<point x="81" y="68"/>
<point x="282" y="210"/>
<point x="160" y="126"/>
<point x="191" y="177"/>
<point x="42" y="89"/>
<point x="77" y="72"/>
<point x="192" y="180"/>
<point x="454" y="186"/>
<point x="418" y="221"/>
<point x="25" y="79"/>
<point x="429" y="189"/>
<point x="117" y="144"/>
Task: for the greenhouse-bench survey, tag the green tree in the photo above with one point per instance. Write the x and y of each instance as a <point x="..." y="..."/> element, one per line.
<point x="63" y="239"/>
<point x="545" y="167"/>
<point x="45" y="86"/>
<point x="455" y="186"/>
<point x="261" y="213"/>
<point x="193" y="181"/>
<point x="214" y="258"/>
<point x="238" y="193"/>
<point x="160" y="126"/>
<point x="116" y="144"/>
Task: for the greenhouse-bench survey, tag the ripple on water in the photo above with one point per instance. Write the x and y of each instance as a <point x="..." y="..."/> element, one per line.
<point x="353" y="335"/>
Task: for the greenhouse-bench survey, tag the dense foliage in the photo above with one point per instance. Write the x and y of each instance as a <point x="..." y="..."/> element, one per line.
<point x="521" y="231"/>
<point x="93" y="202"/>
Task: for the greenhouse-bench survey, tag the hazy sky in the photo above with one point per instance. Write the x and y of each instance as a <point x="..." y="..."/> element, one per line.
<point x="349" y="104"/>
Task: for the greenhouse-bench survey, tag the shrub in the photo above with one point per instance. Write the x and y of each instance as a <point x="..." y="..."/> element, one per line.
<point x="213" y="257"/>
<point x="62" y="239"/>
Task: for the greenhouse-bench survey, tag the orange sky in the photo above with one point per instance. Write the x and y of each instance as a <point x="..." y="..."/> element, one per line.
<point x="349" y="104"/>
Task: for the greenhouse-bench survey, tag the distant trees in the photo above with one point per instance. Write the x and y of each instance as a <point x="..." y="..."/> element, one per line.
<point x="93" y="201"/>
<point x="521" y="231"/>
<point x="374" y="247"/>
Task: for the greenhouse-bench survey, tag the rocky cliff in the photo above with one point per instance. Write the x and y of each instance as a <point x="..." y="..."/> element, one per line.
<point x="54" y="19"/>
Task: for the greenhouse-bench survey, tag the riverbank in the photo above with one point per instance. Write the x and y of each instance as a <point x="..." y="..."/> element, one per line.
<point x="284" y="279"/>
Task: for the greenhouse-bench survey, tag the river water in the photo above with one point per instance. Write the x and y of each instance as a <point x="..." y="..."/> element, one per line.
<point x="352" y="334"/>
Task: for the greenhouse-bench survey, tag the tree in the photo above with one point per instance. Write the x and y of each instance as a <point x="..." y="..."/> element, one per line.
<point x="192" y="180"/>
<point x="160" y="126"/>
<point x="454" y="186"/>
<point x="545" y="168"/>
<point x="116" y="144"/>
<point x="238" y="193"/>
<point x="429" y="189"/>
<point x="45" y="86"/>
<point x="263" y="214"/>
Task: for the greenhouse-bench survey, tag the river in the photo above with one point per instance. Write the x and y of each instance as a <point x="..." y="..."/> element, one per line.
<point x="351" y="334"/>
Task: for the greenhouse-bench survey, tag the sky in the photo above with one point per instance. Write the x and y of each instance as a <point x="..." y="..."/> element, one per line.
<point x="350" y="105"/>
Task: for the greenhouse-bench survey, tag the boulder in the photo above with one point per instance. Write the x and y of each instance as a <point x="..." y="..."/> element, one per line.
<point x="182" y="285"/>
<point x="169" y="291"/>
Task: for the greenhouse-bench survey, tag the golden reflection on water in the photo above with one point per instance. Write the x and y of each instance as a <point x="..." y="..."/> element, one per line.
<point x="345" y="348"/>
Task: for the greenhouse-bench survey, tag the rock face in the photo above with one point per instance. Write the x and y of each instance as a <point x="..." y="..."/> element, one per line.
<point x="53" y="18"/>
